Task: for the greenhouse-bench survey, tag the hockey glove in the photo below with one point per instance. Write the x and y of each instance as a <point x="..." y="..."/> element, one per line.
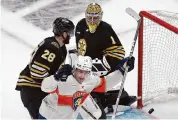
<point x="130" y="64"/>
<point x="63" y="73"/>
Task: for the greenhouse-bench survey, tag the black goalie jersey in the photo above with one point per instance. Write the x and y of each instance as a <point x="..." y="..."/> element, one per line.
<point x="45" y="61"/>
<point x="103" y="42"/>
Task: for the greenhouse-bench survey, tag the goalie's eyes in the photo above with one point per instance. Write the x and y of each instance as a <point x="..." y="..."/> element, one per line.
<point x="93" y="19"/>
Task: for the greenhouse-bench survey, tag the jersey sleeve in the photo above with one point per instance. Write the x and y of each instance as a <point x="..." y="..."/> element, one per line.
<point x="114" y="50"/>
<point x="93" y="83"/>
<point x="49" y="84"/>
<point x="43" y="61"/>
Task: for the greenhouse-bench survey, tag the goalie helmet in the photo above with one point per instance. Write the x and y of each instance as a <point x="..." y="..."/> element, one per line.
<point x="93" y="15"/>
<point x="61" y="25"/>
<point x="83" y="63"/>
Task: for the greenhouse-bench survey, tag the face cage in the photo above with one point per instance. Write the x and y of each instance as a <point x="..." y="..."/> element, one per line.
<point x="93" y="18"/>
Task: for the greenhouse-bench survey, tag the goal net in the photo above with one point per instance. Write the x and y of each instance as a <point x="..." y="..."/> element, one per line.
<point x="157" y="56"/>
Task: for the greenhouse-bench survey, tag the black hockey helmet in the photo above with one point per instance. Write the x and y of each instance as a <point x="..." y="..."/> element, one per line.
<point x="61" y="25"/>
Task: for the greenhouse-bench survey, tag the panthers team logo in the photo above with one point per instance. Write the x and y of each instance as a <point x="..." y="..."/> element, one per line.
<point x="78" y="99"/>
<point x="82" y="46"/>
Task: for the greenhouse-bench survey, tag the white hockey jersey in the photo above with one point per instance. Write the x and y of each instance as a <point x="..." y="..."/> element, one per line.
<point x="59" y="103"/>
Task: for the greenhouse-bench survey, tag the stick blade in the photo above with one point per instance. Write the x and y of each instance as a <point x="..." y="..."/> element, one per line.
<point x="132" y="13"/>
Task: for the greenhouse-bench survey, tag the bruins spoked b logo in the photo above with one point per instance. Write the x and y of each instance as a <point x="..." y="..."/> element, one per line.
<point x="82" y="46"/>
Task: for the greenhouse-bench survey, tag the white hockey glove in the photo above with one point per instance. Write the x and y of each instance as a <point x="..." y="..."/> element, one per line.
<point x="100" y="67"/>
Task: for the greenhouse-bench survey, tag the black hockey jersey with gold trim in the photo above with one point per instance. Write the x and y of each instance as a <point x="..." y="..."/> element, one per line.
<point x="103" y="42"/>
<point x="45" y="61"/>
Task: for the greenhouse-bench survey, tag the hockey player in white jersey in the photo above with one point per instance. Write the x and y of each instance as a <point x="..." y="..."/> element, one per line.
<point x="111" y="82"/>
<point x="70" y="91"/>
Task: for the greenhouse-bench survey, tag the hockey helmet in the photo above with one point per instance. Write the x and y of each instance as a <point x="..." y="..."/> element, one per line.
<point x="61" y="25"/>
<point x="83" y="63"/>
<point x="93" y="15"/>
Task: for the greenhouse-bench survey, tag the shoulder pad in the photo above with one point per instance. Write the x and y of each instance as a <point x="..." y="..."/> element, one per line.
<point x="55" y="44"/>
<point x="51" y="41"/>
<point x="82" y="20"/>
<point x="105" y="24"/>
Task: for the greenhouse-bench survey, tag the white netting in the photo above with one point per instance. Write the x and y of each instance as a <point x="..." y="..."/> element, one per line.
<point x="160" y="57"/>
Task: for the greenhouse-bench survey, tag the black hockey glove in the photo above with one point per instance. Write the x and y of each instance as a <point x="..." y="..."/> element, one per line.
<point x="63" y="73"/>
<point x="130" y="64"/>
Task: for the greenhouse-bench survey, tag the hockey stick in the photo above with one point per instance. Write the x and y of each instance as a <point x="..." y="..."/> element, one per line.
<point x="72" y="51"/>
<point x="132" y="13"/>
<point x="88" y="112"/>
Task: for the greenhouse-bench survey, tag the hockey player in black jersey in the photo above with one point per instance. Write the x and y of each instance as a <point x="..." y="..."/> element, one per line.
<point x="97" y="39"/>
<point x="45" y="61"/>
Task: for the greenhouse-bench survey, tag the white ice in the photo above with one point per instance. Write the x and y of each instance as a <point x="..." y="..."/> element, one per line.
<point x="15" y="56"/>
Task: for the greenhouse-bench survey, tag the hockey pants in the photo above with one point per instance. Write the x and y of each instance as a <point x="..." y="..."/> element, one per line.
<point x="110" y="97"/>
<point x="32" y="98"/>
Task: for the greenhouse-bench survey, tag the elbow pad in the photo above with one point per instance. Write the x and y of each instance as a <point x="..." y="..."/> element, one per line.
<point x="49" y="84"/>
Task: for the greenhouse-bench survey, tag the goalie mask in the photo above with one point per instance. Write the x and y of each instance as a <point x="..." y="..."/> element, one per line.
<point x="93" y="15"/>
<point x="82" y="68"/>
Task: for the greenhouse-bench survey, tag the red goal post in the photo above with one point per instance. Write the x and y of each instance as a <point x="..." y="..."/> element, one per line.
<point x="157" y="55"/>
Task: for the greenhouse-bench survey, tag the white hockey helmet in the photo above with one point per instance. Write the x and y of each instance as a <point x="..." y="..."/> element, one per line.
<point x="83" y="63"/>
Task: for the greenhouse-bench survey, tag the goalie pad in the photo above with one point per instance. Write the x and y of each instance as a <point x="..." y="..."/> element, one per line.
<point x="90" y="109"/>
<point x="120" y="110"/>
<point x="113" y="80"/>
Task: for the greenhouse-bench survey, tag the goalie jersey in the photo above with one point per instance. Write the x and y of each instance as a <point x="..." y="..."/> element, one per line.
<point x="45" y="61"/>
<point x="103" y="42"/>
